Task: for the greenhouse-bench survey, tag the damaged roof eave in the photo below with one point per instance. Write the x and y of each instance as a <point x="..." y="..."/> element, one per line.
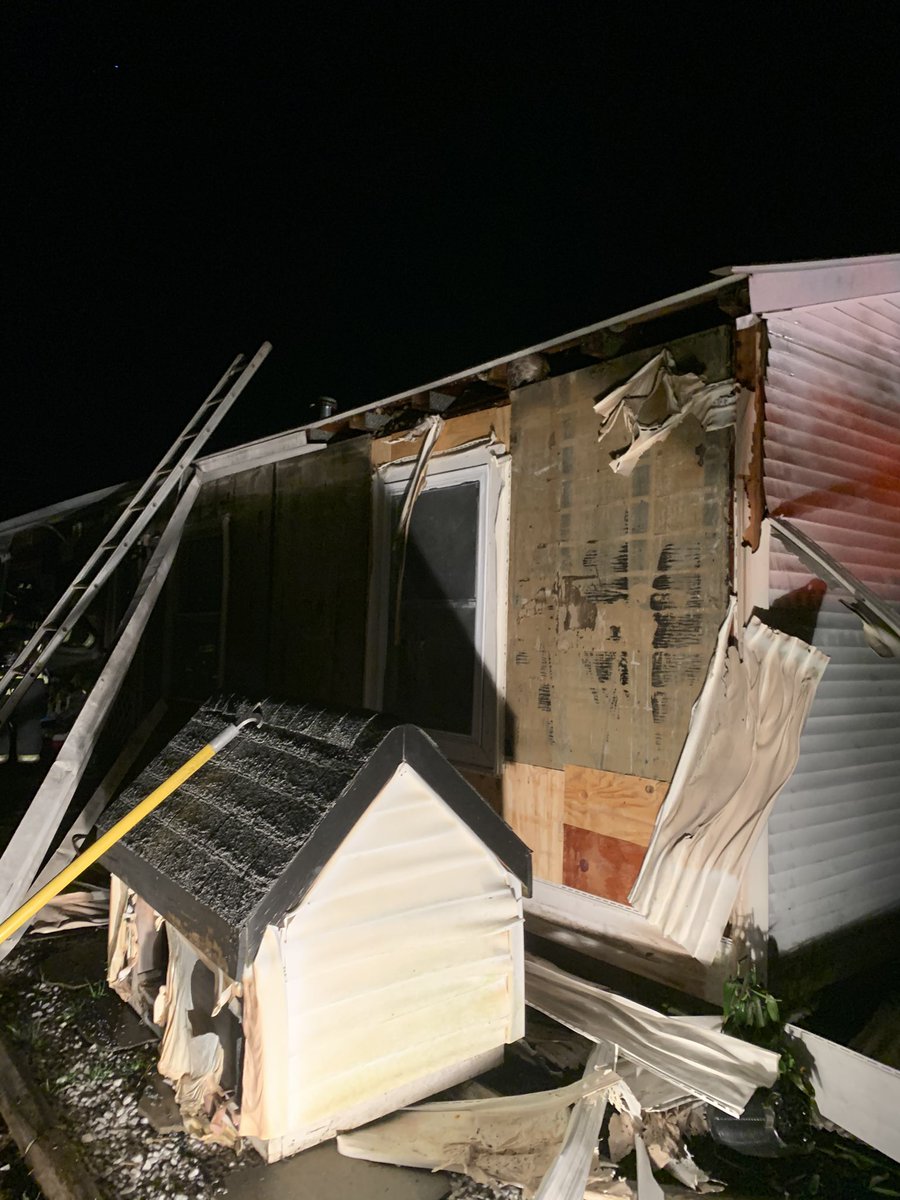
<point x="659" y="308"/>
<point x="778" y="286"/>
<point x="295" y="441"/>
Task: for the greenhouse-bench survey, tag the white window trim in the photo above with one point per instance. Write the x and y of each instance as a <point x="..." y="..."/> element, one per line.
<point x="489" y="465"/>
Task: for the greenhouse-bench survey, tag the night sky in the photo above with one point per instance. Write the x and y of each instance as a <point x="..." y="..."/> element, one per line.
<point x="391" y="193"/>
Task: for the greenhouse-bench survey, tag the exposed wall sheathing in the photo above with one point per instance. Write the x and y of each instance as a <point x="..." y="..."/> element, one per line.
<point x="608" y="820"/>
<point x="320" y="567"/>
<point x="832" y="449"/>
<point x="618" y="587"/>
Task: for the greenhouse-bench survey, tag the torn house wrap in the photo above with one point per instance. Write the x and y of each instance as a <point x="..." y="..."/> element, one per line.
<point x="655" y="401"/>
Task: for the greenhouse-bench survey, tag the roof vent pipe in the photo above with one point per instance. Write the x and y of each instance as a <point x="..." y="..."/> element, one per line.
<point x="326" y="406"/>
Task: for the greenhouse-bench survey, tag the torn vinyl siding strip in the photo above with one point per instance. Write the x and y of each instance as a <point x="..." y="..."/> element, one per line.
<point x="507" y="1139"/>
<point x="722" y="1070"/>
<point x="855" y="1092"/>
<point x="655" y="401"/>
<point x="742" y="745"/>
<point x="647" y="1187"/>
<point x="73" y="910"/>
<point x="568" y="1176"/>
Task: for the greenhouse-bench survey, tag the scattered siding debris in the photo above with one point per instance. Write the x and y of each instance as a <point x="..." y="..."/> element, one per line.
<point x="713" y="1066"/>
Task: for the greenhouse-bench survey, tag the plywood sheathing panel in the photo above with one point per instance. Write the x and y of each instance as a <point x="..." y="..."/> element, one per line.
<point x="617" y="806"/>
<point x="456" y="432"/>
<point x="533" y="801"/>
<point x="320" y="562"/>
<point x="617" y="585"/>
<point x="601" y="866"/>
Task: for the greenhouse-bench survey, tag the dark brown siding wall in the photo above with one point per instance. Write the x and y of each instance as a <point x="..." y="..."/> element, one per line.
<point x="617" y="585"/>
<point x="297" y="549"/>
<point x="320" y="569"/>
<point x="249" y="594"/>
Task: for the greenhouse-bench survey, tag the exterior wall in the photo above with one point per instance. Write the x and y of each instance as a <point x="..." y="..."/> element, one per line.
<point x="404" y="959"/>
<point x="322" y="522"/>
<point x="287" y="546"/>
<point x="618" y="586"/>
<point x="831" y="466"/>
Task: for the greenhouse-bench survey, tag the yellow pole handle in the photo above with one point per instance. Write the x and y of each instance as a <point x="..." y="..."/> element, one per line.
<point x="106" y="841"/>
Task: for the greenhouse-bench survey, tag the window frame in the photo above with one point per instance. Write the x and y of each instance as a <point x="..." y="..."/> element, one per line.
<point x="488" y="465"/>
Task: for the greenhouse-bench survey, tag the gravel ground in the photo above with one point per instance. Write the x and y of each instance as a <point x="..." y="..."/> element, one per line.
<point x="95" y="1089"/>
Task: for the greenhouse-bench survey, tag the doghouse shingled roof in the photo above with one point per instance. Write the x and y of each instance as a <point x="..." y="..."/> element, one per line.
<point x="239" y="844"/>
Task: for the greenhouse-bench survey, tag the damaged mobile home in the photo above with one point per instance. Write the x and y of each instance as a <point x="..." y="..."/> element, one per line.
<point x="654" y="566"/>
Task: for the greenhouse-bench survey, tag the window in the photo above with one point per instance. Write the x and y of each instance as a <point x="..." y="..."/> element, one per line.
<point x="437" y="612"/>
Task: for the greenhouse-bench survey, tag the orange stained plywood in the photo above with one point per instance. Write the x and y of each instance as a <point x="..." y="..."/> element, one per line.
<point x="601" y="866"/>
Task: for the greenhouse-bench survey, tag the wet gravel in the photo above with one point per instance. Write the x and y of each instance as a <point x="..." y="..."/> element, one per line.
<point x="95" y="1089"/>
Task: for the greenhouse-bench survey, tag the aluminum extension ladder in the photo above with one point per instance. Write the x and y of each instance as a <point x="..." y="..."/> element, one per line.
<point x="134" y="519"/>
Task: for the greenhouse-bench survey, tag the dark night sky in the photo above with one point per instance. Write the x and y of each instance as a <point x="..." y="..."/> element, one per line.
<point x="390" y="194"/>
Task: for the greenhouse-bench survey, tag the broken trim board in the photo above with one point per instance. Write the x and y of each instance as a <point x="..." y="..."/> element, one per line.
<point x="742" y="746"/>
<point x="855" y="1092"/>
<point x="616" y="934"/>
<point x="722" y="1070"/>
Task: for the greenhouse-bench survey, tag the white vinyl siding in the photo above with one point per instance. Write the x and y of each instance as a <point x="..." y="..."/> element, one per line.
<point x="403" y="960"/>
<point x="831" y="460"/>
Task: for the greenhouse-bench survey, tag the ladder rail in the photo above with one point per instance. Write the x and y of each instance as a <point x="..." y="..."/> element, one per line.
<point x="41" y="650"/>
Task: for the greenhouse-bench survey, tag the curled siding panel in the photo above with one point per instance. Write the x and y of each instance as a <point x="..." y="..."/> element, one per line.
<point x="833" y="467"/>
